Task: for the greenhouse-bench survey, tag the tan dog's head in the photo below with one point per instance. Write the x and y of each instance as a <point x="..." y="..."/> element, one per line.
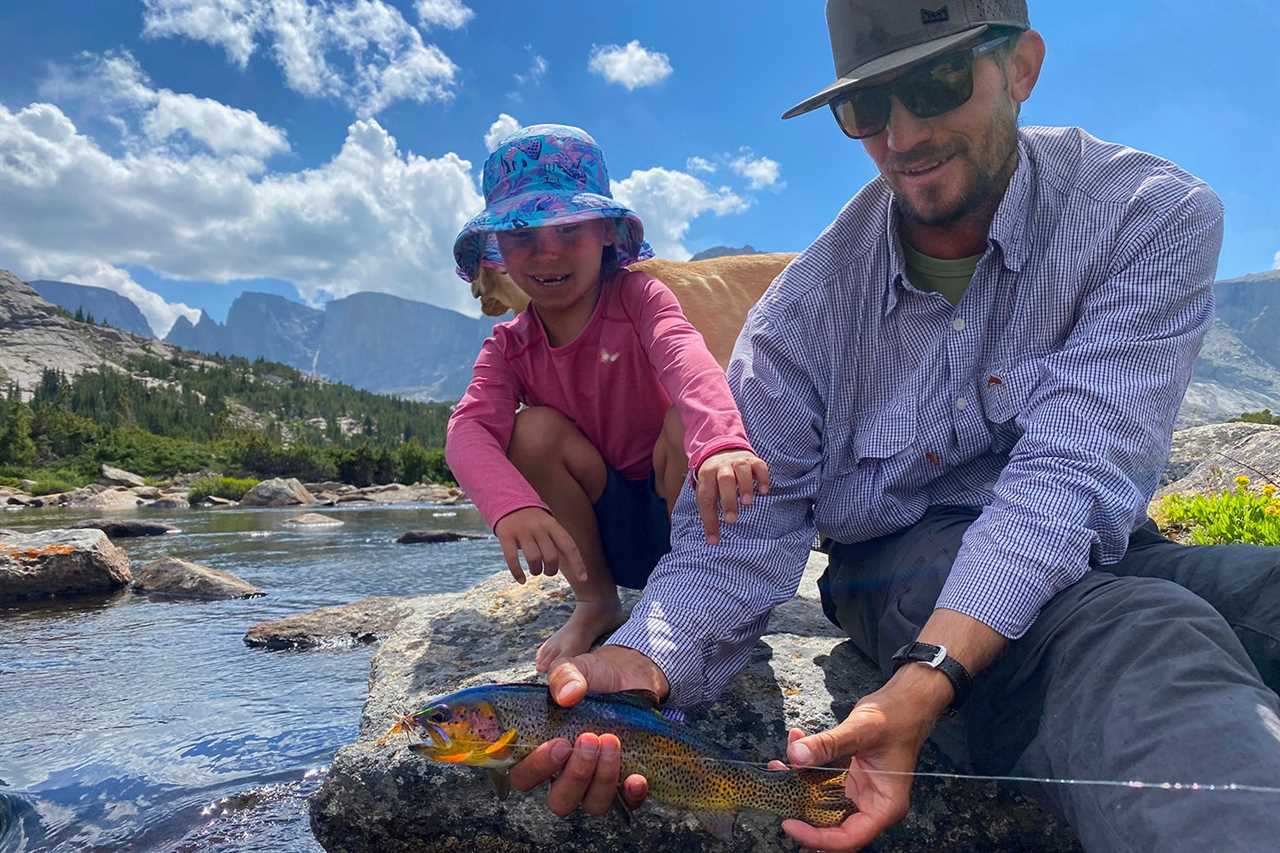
<point x="497" y="293"/>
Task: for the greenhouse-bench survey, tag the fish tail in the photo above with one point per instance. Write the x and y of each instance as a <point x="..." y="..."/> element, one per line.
<point x="825" y="803"/>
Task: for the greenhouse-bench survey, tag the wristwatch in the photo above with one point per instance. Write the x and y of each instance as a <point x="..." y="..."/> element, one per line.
<point x="936" y="657"/>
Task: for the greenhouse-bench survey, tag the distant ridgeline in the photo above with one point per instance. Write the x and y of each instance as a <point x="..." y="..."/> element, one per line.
<point x="96" y="304"/>
<point x="227" y="414"/>
<point x="370" y="340"/>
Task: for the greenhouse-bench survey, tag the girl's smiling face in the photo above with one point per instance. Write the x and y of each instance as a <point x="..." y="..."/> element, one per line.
<point x="558" y="266"/>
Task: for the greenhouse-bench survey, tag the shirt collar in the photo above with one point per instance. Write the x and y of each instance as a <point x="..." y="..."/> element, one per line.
<point x="1008" y="228"/>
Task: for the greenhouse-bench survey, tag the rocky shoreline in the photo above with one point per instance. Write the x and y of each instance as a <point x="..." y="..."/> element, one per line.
<point x="121" y="490"/>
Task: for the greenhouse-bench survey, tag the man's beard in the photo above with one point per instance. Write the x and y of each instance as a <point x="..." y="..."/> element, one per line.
<point x="989" y="176"/>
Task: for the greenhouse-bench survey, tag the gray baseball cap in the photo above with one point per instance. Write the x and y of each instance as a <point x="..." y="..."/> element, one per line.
<point x="873" y="38"/>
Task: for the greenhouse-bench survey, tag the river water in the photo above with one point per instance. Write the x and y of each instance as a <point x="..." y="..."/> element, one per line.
<point x="128" y="723"/>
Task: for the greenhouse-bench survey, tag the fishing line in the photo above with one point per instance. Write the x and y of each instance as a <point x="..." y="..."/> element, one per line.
<point x="1135" y="784"/>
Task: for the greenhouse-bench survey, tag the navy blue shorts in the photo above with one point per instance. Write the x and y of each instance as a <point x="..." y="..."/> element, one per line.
<point x="634" y="528"/>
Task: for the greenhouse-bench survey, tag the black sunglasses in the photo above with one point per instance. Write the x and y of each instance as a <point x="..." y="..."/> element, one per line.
<point x="929" y="90"/>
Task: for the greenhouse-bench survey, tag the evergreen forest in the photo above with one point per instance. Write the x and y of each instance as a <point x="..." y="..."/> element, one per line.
<point x="220" y="415"/>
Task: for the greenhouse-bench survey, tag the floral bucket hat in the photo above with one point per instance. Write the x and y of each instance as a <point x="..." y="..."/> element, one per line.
<point x="546" y="174"/>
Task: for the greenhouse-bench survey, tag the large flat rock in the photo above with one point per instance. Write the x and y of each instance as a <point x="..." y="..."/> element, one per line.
<point x="172" y="577"/>
<point x="60" y="562"/>
<point x="803" y="673"/>
<point x="365" y="621"/>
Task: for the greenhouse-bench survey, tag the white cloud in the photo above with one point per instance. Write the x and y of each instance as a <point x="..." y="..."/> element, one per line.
<point x="501" y="128"/>
<point x="700" y="164"/>
<point x="362" y="52"/>
<point x="1277" y="260"/>
<point x="537" y="70"/>
<point x="114" y="82"/>
<point x="371" y="218"/>
<point x="631" y="65"/>
<point x="229" y="24"/>
<point x="450" y="14"/>
<point x="667" y="201"/>
<point x="760" y="172"/>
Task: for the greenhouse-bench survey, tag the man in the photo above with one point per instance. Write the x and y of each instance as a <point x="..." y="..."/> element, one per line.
<point x="968" y="383"/>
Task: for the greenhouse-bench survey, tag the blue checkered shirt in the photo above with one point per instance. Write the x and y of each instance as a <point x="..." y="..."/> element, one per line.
<point x="1047" y="396"/>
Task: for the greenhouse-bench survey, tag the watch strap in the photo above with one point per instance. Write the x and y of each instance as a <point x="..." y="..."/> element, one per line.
<point x="937" y="658"/>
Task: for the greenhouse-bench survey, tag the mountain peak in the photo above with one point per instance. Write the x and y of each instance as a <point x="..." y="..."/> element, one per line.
<point x="104" y="305"/>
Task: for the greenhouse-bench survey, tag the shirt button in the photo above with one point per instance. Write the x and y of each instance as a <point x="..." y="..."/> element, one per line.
<point x="958" y="324"/>
<point x="961" y="403"/>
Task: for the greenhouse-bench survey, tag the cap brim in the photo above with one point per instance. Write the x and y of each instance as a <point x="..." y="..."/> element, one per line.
<point x="874" y="70"/>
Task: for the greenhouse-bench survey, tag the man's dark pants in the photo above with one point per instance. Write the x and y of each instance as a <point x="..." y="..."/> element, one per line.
<point x="1162" y="668"/>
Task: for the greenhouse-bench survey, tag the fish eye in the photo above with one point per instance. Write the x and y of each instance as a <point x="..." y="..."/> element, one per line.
<point x="436" y="714"/>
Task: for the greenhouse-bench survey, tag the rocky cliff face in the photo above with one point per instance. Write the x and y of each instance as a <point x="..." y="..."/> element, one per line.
<point x="370" y="340"/>
<point x="1239" y="365"/>
<point x="106" y="306"/>
<point x="34" y="335"/>
<point x="398" y="346"/>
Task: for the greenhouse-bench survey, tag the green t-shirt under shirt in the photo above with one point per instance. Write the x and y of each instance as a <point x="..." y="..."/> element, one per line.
<point x="948" y="277"/>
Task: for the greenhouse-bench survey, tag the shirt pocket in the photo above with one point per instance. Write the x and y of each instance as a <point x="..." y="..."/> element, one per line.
<point x="1006" y="392"/>
<point x="872" y="437"/>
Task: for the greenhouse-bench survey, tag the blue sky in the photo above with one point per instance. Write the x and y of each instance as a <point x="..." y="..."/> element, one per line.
<point x="180" y="151"/>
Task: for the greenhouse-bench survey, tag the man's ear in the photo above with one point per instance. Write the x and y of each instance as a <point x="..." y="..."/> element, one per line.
<point x="1025" y="64"/>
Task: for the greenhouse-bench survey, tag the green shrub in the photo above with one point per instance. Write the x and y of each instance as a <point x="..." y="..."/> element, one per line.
<point x="53" y="486"/>
<point x="1243" y="515"/>
<point x="230" y="488"/>
<point x="1262" y="417"/>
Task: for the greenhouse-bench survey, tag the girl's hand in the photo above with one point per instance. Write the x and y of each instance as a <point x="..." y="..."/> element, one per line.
<point x="729" y="477"/>
<point x="547" y="546"/>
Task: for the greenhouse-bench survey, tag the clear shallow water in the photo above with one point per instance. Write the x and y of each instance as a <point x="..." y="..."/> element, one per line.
<point x="128" y="723"/>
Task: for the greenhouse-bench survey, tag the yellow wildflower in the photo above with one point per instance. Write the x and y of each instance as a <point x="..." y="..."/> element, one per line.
<point x="1269" y="489"/>
<point x="1272" y="510"/>
<point x="1242" y="481"/>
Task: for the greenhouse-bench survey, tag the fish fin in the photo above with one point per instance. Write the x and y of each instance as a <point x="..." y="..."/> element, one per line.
<point x="828" y="805"/>
<point x="640" y="697"/>
<point x="499" y="748"/>
<point x="620" y="807"/>
<point x="501" y="780"/>
<point x="719" y="824"/>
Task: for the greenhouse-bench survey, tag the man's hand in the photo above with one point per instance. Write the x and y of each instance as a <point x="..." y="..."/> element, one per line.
<point x="586" y="774"/>
<point x="884" y="732"/>
<point x="547" y="546"/>
<point x="729" y="477"/>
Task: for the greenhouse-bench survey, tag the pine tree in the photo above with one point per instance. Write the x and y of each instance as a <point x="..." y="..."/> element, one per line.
<point x="16" y="446"/>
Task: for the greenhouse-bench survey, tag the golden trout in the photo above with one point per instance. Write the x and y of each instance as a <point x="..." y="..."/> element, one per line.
<point x="496" y="725"/>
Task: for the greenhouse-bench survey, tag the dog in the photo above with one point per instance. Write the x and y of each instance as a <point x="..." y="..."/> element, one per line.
<point x="715" y="294"/>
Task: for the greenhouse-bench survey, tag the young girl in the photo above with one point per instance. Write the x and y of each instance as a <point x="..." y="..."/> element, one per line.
<point x="586" y="413"/>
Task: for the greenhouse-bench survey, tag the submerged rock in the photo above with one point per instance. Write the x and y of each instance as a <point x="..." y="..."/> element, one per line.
<point x="365" y="621"/>
<point x="176" y="578"/>
<point x="277" y="492"/>
<point x="803" y="673"/>
<point x="60" y="562"/>
<point x="125" y="529"/>
<point x="313" y="519"/>
<point x="432" y="537"/>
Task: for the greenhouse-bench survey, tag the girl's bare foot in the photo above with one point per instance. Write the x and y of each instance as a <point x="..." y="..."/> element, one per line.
<point x="589" y="621"/>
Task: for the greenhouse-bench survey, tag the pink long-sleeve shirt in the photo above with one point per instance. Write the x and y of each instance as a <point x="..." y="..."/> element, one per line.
<point x="637" y="356"/>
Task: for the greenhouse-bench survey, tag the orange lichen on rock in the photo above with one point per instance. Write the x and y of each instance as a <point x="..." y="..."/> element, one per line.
<point x="31" y="554"/>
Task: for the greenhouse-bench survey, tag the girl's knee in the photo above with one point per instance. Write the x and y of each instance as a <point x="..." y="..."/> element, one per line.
<point x="539" y="435"/>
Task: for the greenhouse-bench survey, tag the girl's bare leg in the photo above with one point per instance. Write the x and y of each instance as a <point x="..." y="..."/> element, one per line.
<point x="569" y="474"/>
<point x="670" y="465"/>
